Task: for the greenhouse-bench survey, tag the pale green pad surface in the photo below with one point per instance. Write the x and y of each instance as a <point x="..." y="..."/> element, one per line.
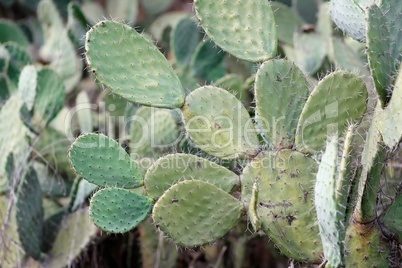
<point x="30" y="214"/>
<point x="76" y="232"/>
<point x="11" y="251"/>
<point x="218" y="123"/>
<point x="153" y="131"/>
<point x="49" y="95"/>
<point x="285" y="182"/>
<point x="118" y="210"/>
<point x="287" y="21"/>
<point x="27" y="85"/>
<point x="246" y="30"/>
<point x="194" y="213"/>
<point x="101" y="160"/>
<point x="391" y="126"/>
<point x="328" y="213"/>
<point x="340" y="98"/>
<point x="131" y="66"/>
<point x="310" y="51"/>
<point x="349" y="16"/>
<point x="280" y="93"/>
<point x="173" y="168"/>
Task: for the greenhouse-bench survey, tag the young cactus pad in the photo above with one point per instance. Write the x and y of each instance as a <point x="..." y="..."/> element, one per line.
<point x="194" y="213"/>
<point x="246" y="30"/>
<point x="118" y="210"/>
<point x="131" y="66"/>
<point x="219" y="124"/>
<point x="282" y="81"/>
<point x="173" y="168"/>
<point x="102" y="161"/>
<point x="340" y="98"/>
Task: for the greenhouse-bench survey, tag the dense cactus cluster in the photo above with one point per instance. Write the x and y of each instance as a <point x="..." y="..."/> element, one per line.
<point x="299" y="160"/>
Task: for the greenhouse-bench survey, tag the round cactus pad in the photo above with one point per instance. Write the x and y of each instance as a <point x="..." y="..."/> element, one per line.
<point x="118" y="210"/>
<point x="194" y="213"/>
<point x="173" y="168"/>
<point x="247" y="31"/>
<point x="219" y="124"/>
<point x="131" y="66"/>
<point x="102" y="161"/>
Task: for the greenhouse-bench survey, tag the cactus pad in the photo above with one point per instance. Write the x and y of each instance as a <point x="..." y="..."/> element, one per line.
<point x="30" y="214"/>
<point x="349" y="16"/>
<point x="340" y="98"/>
<point x="285" y="206"/>
<point x="245" y="30"/>
<point x="173" y="168"/>
<point x="27" y="85"/>
<point x="392" y="218"/>
<point x="138" y="71"/>
<point x="195" y="213"/>
<point x="76" y="232"/>
<point x="390" y="126"/>
<point x="219" y="124"/>
<point x="117" y="210"/>
<point x="101" y="161"/>
<point x="379" y="58"/>
<point x="329" y="214"/>
<point x="184" y="40"/>
<point x="49" y="95"/>
<point x="282" y="81"/>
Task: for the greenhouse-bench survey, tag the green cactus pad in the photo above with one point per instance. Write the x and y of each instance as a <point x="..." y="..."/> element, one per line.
<point x="101" y="161"/>
<point x="392" y="218"/>
<point x="282" y="81"/>
<point x="76" y="232"/>
<point x="390" y="125"/>
<point x="285" y="206"/>
<point x="173" y="168"/>
<point x="27" y="85"/>
<point x="329" y="214"/>
<point x="49" y="95"/>
<point x="138" y="71"/>
<point x="364" y="247"/>
<point x="19" y="57"/>
<point x="194" y="213"/>
<point x="378" y="56"/>
<point x="340" y="98"/>
<point x="219" y="124"/>
<point x="349" y="16"/>
<point x="58" y="49"/>
<point x="287" y="21"/>
<point x="310" y="51"/>
<point x="117" y="210"/>
<point x="207" y="61"/>
<point x="153" y="131"/>
<point x="13" y="131"/>
<point x="11" y="32"/>
<point x="245" y="30"/>
<point x="11" y="253"/>
<point x="184" y="40"/>
<point x="30" y="214"/>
